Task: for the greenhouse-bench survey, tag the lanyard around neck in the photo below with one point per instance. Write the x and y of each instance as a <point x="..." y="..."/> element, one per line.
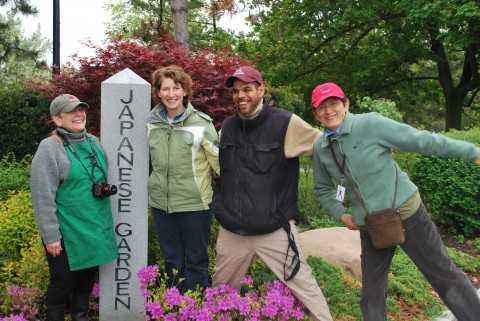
<point x="94" y="159"/>
<point x="341" y="168"/>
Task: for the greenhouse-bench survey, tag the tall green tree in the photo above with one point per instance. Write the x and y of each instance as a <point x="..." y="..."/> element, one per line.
<point x="147" y="20"/>
<point x="19" y="6"/>
<point x="398" y="49"/>
<point x="21" y="56"/>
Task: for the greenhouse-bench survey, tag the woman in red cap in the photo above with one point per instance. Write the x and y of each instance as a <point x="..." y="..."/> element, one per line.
<point x="355" y="152"/>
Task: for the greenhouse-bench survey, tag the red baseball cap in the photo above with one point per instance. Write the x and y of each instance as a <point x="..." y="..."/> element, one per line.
<point x="245" y="73"/>
<point x="324" y="91"/>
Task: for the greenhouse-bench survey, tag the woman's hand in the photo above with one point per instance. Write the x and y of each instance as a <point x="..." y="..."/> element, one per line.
<point x="477" y="161"/>
<point x="54" y="248"/>
<point x="347" y="219"/>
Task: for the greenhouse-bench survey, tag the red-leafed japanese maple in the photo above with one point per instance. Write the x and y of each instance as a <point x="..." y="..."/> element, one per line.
<point x="209" y="70"/>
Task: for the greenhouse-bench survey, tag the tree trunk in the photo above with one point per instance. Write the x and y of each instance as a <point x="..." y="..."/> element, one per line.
<point x="455" y="95"/>
<point x="453" y="112"/>
<point x="180" y="22"/>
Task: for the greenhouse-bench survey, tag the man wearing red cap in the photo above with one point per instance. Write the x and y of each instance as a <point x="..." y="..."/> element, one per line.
<point x="255" y="200"/>
<point x="355" y="151"/>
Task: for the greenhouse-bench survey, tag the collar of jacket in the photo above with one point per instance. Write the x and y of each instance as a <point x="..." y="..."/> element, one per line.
<point x="156" y="114"/>
<point x="257" y="121"/>
<point x="346" y="129"/>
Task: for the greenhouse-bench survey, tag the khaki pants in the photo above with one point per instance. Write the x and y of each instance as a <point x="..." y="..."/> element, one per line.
<point x="235" y="253"/>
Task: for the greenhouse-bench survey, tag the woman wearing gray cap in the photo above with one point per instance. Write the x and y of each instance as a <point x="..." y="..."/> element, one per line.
<point x="70" y="198"/>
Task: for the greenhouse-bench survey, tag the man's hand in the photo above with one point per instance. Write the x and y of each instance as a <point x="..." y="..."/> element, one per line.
<point x="347" y="219"/>
<point x="54" y="248"/>
<point x="477" y="161"/>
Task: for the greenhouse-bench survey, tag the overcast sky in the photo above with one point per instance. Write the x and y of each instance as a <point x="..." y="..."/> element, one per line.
<point x="81" y="20"/>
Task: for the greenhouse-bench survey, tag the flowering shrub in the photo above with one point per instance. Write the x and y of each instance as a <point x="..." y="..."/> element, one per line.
<point x="94" y="297"/>
<point x="14" y="318"/>
<point x="23" y="301"/>
<point x="271" y="301"/>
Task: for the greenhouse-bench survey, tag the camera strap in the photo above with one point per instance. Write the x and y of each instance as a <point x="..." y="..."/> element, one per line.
<point x="93" y="158"/>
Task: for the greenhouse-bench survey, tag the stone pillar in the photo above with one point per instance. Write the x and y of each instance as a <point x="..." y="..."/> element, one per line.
<point x="125" y="107"/>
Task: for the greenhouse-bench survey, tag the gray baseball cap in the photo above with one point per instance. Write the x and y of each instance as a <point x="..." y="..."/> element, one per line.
<point x="65" y="103"/>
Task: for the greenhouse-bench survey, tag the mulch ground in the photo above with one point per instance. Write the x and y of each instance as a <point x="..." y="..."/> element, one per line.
<point x="465" y="246"/>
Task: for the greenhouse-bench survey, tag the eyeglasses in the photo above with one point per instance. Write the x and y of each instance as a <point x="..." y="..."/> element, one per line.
<point x="333" y="103"/>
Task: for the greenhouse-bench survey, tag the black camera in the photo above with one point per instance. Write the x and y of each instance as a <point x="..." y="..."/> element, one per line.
<point x="104" y="189"/>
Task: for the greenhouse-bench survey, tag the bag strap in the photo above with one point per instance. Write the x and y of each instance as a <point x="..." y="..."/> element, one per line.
<point x="57" y="138"/>
<point x="342" y="171"/>
<point x="294" y="264"/>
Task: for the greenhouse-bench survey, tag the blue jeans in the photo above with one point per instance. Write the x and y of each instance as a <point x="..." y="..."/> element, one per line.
<point x="183" y="239"/>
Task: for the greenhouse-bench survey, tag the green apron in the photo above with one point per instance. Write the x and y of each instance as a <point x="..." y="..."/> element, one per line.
<point x="86" y="222"/>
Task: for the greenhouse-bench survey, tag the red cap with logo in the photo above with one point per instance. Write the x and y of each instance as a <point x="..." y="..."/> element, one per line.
<point x="245" y="73"/>
<point x="324" y="91"/>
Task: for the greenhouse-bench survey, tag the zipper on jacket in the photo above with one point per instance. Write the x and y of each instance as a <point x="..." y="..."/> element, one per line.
<point x="169" y="131"/>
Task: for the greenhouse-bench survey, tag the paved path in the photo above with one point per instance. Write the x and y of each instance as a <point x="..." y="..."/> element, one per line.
<point x="448" y="316"/>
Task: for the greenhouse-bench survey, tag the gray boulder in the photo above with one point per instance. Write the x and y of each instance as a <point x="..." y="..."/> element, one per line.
<point x="338" y="246"/>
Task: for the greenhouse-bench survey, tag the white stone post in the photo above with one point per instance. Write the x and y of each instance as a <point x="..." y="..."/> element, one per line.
<point x="125" y="105"/>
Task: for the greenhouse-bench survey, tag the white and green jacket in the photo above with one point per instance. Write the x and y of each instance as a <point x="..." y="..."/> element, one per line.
<point x="183" y="154"/>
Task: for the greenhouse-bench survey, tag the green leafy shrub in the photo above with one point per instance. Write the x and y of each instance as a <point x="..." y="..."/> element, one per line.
<point x="18" y="225"/>
<point x="384" y="107"/>
<point x="284" y="97"/>
<point x="14" y="175"/>
<point x="22" y="119"/>
<point x="312" y="214"/>
<point x="30" y="272"/>
<point x="450" y="189"/>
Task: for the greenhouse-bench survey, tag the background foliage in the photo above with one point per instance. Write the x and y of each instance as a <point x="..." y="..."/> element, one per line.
<point x="208" y="69"/>
<point x="14" y="175"/>
<point x="450" y="189"/>
<point x="421" y="54"/>
<point x="23" y="121"/>
<point x="412" y="55"/>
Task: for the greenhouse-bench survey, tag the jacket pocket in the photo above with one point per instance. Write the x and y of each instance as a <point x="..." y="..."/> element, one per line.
<point x="262" y="157"/>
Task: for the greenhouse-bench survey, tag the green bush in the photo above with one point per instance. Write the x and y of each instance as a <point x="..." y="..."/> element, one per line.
<point x="22" y="120"/>
<point x="18" y="225"/>
<point x="284" y="97"/>
<point x="14" y="175"/>
<point x="450" y="189"/>
<point x="29" y="272"/>
<point x="312" y="214"/>
<point x="384" y="107"/>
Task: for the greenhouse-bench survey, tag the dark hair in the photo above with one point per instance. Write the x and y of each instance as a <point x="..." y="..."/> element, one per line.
<point x="344" y="100"/>
<point x="178" y="75"/>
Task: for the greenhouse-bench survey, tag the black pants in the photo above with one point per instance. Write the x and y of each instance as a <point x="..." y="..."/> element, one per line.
<point x="64" y="282"/>
<point x="424" y="246"/>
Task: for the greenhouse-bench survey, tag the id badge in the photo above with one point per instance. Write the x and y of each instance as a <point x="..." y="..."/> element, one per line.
<point x="340" y="193"/>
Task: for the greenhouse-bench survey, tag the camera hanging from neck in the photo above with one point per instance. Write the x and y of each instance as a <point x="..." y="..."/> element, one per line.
<point x="93" y="158"/>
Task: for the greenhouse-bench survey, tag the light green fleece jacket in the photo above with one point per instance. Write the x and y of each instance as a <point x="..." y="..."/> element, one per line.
<point x="366" y="140"/>
<point x="183" y="154"/>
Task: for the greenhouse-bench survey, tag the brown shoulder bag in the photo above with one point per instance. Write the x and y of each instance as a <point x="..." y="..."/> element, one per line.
<point x="385" y="227"/>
